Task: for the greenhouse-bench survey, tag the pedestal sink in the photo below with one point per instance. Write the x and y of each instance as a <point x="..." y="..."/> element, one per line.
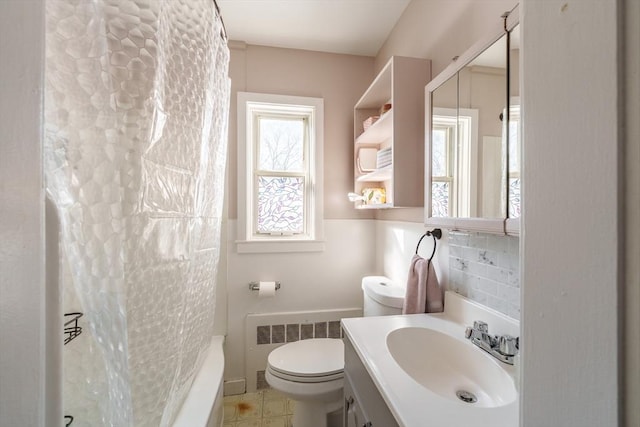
<point x="451" y="367"/>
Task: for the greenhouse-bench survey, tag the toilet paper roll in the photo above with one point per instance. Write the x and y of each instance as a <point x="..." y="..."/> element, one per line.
<point x="267" y="290"/>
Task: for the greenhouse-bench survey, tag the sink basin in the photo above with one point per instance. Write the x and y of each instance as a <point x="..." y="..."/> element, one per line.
<point x="451" y="368"/>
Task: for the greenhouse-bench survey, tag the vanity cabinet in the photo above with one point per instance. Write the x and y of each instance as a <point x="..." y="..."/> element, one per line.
<point x="363" y="404"/>
<point x="354" y="416"/>
<point x="389" y="137"/>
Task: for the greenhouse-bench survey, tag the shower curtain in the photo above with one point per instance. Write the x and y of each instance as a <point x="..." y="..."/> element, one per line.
<point x="136" y="108"/>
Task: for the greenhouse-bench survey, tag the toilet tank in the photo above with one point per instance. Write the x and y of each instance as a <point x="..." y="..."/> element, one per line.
<point x="382" y="297"/>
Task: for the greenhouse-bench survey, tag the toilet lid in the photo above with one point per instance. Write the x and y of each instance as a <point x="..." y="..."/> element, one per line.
<point x="317" y="357"/>
<point x="384" y="291"/>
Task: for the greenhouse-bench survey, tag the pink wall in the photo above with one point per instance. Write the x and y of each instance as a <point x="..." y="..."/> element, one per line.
<point x="312" y="280"/>
<point x="339" y="79"/>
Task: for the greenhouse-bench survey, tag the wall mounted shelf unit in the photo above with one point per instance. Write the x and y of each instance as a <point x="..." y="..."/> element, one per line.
<point x="396" y="97"/>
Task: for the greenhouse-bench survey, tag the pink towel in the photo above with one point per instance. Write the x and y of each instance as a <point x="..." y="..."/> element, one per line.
<point x="423" y="294"/>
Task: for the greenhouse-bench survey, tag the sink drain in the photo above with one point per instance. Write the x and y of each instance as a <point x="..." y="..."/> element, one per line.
<point x="466" y="396"/>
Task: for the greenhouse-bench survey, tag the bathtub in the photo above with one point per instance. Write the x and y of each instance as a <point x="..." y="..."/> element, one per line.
<point x="203" y="405"/>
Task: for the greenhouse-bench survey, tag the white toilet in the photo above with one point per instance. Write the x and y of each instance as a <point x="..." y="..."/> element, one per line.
<point x="310" y="371"/>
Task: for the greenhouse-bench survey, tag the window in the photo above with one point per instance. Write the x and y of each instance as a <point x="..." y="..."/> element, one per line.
<point x="279" y="173"/>
<point x="453" y="160"/>
<point x="443" y="166"/>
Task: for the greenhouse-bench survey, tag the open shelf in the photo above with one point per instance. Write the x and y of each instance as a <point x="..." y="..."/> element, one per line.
<point x="378" y="132"/>
<point x="377" y="206"/>
<point x="377" y="175"/>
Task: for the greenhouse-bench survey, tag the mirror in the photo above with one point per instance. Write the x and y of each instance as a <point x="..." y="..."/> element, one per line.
<point x="473" y="137"/>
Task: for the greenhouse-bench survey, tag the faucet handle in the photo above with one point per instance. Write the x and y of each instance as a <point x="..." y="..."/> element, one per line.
<point x="508" y="345"/>
<point x="480" y="326"/>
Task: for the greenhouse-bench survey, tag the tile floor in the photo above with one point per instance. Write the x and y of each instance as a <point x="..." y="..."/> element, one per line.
<point x="265" y="408"/>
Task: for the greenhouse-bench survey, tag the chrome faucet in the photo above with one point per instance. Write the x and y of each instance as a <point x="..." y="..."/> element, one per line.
<point x="503" y="347"/>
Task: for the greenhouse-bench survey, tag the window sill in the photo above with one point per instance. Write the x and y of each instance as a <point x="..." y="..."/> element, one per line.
<point x="278" y="246"/>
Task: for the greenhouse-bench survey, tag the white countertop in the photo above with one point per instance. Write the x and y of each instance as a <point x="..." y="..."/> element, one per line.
<point x="412" y="404"/>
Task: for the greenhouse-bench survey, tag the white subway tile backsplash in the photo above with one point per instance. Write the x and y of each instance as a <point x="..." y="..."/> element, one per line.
<point x="459" y="239"/>
<point x="470" y="253"/>
<point x="497" y="243"/>
<point x="497" y="304"/>
<point x="458" y="263"/>
<point x="471" y="281"/>
<point x="488" y="257"/>
<point x="488" y="286"/>
<point x="514" y="261"/>
<point x="486" y="269"/>
<point x="478" y="240"/>
<point x="514" y="245"/>
<point x="509" y="261"/>
<point x="513" y="311"/>
<point x="455" y="251"/>
<point x="477" y="269"/>
<point x="514" y="278"/>
<point x="477" y="296"/>
<point x="455" y="276"/>
<point x="498" y="274"/>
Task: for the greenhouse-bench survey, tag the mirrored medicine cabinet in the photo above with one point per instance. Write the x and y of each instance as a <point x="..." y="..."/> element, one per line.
<point x="472" y="173"/>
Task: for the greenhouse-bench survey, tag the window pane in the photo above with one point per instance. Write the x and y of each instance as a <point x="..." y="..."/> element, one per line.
<point x="514" y="164"/>
<point x="514" y="197"/>
<point x="281" y="145"/>
<point x="439" y="153"/>
<point x="440" y="199"/>
<point x="280" y="204"/>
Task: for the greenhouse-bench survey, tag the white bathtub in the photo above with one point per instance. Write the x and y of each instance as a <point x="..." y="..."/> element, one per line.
<point x="203" y="405"/>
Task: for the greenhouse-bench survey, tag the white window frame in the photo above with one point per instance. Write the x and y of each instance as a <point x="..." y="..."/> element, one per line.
<point x="449" y="124"/>
<point x="468" y="162"/>
<point x="250" y="106"/>
<point x="465" y="158"/>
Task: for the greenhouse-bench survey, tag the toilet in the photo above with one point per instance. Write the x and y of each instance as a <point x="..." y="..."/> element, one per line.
<point x="310" y="372"/>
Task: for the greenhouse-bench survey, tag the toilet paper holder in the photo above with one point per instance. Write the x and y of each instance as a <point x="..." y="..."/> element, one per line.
<point x="255" y="286"/>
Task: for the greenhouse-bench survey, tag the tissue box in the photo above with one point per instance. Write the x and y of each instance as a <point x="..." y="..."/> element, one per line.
<point x="374" y="196"/>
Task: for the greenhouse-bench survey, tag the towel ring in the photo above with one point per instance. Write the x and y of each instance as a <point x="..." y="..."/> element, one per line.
<point x="436" y="233"/>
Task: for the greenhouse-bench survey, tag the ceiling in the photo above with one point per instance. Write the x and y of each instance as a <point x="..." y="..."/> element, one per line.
<point x="357" y="27"/>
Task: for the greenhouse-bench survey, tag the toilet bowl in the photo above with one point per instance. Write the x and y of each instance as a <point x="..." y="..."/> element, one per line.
<point x="310" y="371"/>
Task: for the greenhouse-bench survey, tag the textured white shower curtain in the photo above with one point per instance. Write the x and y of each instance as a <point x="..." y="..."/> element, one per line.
<point x="136" y="108"/>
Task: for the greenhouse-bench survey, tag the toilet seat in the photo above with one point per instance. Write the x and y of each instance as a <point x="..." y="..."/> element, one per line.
<point x="304" y="379"/>
<point x="314" y="360"/>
